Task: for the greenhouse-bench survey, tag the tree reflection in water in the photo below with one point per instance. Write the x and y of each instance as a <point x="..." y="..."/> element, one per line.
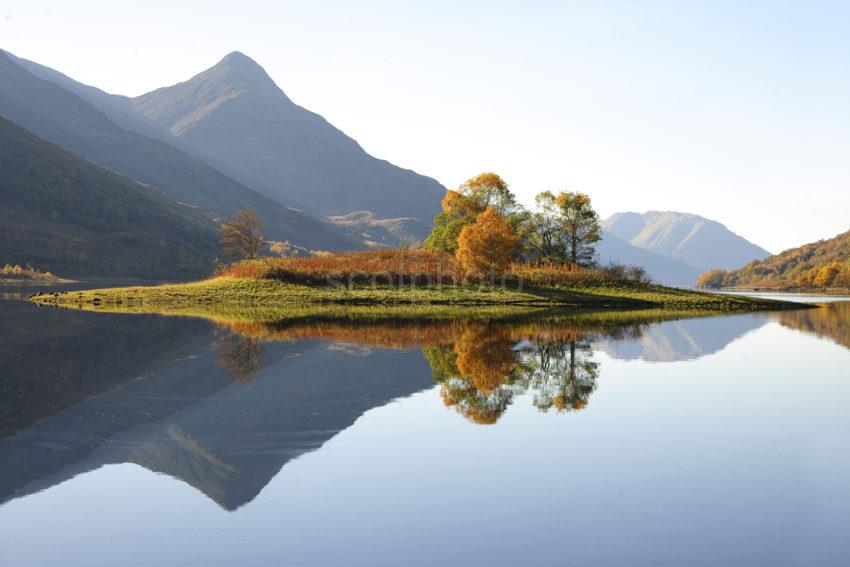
<point x="240" y="356"/>
<point x="482" y="372"/>
<point x="481" y="365"/>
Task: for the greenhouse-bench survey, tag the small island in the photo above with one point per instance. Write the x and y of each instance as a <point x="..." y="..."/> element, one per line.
<point x="484" y="250"/>
<point x="404" y="277"/>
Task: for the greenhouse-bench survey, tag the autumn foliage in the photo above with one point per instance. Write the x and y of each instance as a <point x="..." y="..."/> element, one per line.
<point x="819" y="265"/>
<point x="488" y="245"/>
<point x="242" y="236"/>
<point x="418" y="267"/>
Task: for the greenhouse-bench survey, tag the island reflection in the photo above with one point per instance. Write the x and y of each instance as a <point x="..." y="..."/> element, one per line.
<point x="224" y="407"/>
<point x="481" y="365"/>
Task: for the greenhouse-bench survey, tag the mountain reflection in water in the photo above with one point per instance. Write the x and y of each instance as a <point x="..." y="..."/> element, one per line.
<point x="224" y="407"/>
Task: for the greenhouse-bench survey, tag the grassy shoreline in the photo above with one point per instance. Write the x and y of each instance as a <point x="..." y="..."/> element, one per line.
<point x="259" y="292"/>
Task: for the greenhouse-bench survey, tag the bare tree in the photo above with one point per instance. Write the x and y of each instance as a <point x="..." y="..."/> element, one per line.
<point x="242" y="236"/>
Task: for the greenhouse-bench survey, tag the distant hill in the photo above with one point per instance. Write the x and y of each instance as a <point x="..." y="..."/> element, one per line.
<point x="692" y="239"/>
<point x="383" y="232"/>
<point x="234" y="115"/>
<point x="662" y="269"/>
<point x="51" y="111"/>
<point x="62" y="213"/>
<point x="822" y="264"/>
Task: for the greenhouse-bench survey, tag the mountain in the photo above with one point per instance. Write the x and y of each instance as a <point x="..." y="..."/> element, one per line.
<point x="49" y="110"/>
<point x="119" y="109"/>
<point x="383" y="232"/>
<point x="70" y="216"/>
<point x="662" y="269"/>
<point x="234" y="115"/>
<point x="822" y="264"/>
<point x="692" y="239"/>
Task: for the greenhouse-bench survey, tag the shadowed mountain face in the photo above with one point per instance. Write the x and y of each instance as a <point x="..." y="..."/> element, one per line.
<point x="52" y="112"/>
<point x="224" y="407"/>
<point x="73" y="217"/>
<point x="694" y="240"/>
<point x="236" y="116"/>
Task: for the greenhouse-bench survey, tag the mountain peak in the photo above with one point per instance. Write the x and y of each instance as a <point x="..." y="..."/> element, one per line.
<point x="703" y="243"/>
<point x="239" y="68"/>
<point x="237" y="58"/>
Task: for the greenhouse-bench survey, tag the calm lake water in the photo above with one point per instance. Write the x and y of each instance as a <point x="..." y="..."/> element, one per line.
<point x="620" y="439"/>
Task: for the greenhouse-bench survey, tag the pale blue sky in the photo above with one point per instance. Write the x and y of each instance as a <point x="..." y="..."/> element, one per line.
<point x="738" y="111"/>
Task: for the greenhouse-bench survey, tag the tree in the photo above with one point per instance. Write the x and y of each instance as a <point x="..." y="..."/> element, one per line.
<point x="580" y="224"/>
<point x="458" y="211"/>
<point x="543" y="234"/>
<point x="714" y="279"/>
<point x="826" y="274"/>
<point x="242" y="236"/>
<point x="462" y="207"/>
<point x="489" y="190"/>
<point x="240" y="356"/>
<point x="564" y="228"/>
<point x="487" y="245"/>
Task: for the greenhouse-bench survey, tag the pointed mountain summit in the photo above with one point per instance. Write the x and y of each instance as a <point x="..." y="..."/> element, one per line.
<point x="180" y="107"/>
<point x="100" y="127"/>
<point x="236" y="117"/>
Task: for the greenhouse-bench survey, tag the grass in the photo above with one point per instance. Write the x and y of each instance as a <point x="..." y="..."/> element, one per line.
<point x="244" y="291"/>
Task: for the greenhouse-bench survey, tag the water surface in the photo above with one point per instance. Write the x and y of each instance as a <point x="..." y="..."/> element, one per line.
<point x="628" y="439"/>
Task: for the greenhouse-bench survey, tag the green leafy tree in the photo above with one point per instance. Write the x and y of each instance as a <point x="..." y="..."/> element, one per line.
<point x="543" y="236"/>
<point x="581" y="224"/>
<point x="563" y="228"/>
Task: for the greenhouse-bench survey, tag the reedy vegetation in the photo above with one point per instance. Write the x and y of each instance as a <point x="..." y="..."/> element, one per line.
<point x="396" y="267"/>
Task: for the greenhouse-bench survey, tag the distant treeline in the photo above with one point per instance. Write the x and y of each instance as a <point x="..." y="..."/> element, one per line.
<point x="24" y="272"/>
<point x="819" y="265"/>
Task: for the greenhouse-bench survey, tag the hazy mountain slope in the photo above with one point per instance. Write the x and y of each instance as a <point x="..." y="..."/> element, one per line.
<point x="695" y="240"/>
<point x="662" y="269"/>
<point x="119" y="109"/>
<point x="54" y="113"/>
<point x="65" y="214"/>
<point x="822" y="264"/>
<point x="234" y="114"/>
<point x="383" y="232"/>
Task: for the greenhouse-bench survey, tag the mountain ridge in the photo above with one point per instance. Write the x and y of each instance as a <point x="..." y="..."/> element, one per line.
<point x="55" y="113"/>
<point x="235" y="115"/>
<point x="698" y="241"/>
<point x="663" y="269"/>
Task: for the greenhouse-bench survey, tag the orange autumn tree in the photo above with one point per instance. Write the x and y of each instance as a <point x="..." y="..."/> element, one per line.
<point x="487" y="245"/>
<point x="462" y="207"/>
